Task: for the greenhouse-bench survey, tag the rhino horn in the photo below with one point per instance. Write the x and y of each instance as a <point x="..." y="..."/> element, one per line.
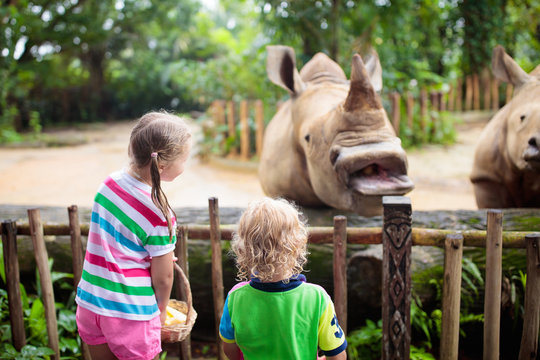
<point x="281" y="68"/>
<point x="506" y="69"/>
<point x="362" y="95"/>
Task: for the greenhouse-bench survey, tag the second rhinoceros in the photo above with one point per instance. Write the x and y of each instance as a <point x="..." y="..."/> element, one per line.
<point x="331" y="144"/>
<point x="506" y="169"/>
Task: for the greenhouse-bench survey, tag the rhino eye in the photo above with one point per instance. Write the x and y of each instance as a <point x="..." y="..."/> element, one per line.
<point x="307" y="137"/>
<point x="522" y="117"/>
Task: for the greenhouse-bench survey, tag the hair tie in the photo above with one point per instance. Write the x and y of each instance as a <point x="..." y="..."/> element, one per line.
<point x="153" y="155"/>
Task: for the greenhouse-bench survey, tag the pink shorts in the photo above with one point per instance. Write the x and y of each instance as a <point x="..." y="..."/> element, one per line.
<point x="127" y="339"/>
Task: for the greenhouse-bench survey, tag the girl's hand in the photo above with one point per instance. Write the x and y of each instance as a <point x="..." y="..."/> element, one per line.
<point x="163" y="316"/>
<point x="174" y="258"/>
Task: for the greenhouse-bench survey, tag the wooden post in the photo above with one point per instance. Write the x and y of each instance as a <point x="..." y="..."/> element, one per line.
<point x="468" y="93"/>
<point x="459" y="95"/>
<point x="434" y="99"/>
<point x="340" y="270"/>
<point x="509" y="92"/>
<point x="453" y="254"/>
<point x="217" y="269"/>
<point x="492" y="302"/>
<point x="487" y="89"/>
<point x="218" y="113"/>
<point x="36" y="232"/>
<point x="181" y="253"/>
<point x="231" y="125"/>
<point x="410" y="110"/>
<point x="423" y="109"/>
<point x="396" y="294"/>
<point x="531" y="319"/>
<point x="451" y="98"/>
<point x="76" y="245"/>
<point x="440" y="100"/>
<point x="77" y="259"/>
<point x="476" y="91"/>
<point x="494" y="94"/>
<point x="11" y="267"/>
<point x="259" y="126"/>
<point x="244" y="131"/>
<point x="396" y="113"/>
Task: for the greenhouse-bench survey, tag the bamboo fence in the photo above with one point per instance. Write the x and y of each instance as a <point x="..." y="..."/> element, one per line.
<point x="397" y="237"/>
<point x="245" y="123"/>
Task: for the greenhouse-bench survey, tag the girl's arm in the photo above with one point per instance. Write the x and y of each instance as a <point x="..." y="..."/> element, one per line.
<point x="162" y="273"/>
<point x="341" y="356"/>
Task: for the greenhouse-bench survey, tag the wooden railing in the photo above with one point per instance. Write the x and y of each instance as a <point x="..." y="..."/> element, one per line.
<point x="473" y="92"/>
<point x="396" y="236"/>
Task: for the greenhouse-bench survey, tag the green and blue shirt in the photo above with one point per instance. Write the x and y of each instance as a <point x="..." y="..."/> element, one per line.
<point x="281" y="320"/>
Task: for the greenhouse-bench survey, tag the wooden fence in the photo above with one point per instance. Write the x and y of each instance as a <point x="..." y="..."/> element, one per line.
<point x="397" y="238"/>
<point x="473" y="92"/>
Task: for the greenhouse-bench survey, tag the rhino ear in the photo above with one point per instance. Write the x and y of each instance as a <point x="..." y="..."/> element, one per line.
<point x="374" y="69"/>
<point x="362" y="94"/>
<point x="506" y="69"/>
<point x="281" y="68"/>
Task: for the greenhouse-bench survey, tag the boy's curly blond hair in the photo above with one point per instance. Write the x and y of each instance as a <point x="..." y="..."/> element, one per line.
<point x="271" y="241"/>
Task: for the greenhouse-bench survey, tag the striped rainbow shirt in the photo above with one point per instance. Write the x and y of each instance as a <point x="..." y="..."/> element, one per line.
<point x="126" y="230"/>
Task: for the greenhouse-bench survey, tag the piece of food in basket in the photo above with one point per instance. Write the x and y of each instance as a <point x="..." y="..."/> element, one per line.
<point x="174" y="316"/>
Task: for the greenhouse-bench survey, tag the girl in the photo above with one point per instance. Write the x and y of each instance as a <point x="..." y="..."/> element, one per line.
<point x="276" y="315"/>
<point x="128" y="267"/>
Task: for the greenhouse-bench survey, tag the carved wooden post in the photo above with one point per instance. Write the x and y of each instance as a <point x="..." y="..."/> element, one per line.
<point x="217" y="270"/>
<point x="11" y="266"/>
<point x="531" y="319"/>
<point x="340" y="270"/>
<point x="396" y="294"/>
<point x="492" y="301"/>
<point x="453" y="254"/>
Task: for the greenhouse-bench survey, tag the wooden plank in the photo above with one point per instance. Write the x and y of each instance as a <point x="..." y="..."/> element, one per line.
<point x="410" y="110"/>
<point x="531" y="318"/>
<point x="423" y="109"/>
<point x="11" y="267"/>
<point x="396" y="286"/>
<point x="231" y="125"/>
<point x="244" y="131"/>
<point x="181" y="253"/>
<point x="486" y="88"/>
<point x="217" y="270"/>
<point x="395" y="100"/>
<point x="476" y="91"/>
<point x="459" y="95"/>
<point x="492" y="302"/>
<point x="468" y="93"/>
<point x="77" y="259"/>
<point x="453" y="254"/>
<point x="36" y="231"/>
<point x="259" y="126"/>
<point x="340" y="270"/>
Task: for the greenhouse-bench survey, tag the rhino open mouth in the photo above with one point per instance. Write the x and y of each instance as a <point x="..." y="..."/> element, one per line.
<point x="374" y="170"/>
<point x="532" y="157"/>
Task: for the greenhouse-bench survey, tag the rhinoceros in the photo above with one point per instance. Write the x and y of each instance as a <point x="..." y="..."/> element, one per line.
<point x="506" y="168"/>
<point x="331" y="144"/>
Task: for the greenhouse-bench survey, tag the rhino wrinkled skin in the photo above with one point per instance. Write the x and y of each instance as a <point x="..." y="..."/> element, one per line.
<point x="506" y="169"/>
<point x="331" y="144"/>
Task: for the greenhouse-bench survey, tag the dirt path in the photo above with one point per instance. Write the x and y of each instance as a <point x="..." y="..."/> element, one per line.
<point x="70" y="175"/>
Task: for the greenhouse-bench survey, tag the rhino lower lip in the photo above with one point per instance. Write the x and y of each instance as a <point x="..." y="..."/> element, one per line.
<point x="377" y="180"/>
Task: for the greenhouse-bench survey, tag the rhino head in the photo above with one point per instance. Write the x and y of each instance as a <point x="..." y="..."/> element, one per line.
<point x="506" y="169"/>
<point x="331" y="144"/>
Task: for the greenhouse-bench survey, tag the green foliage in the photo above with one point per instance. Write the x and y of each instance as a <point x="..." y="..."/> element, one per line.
<point x="365" y="343"/>
<point x="35" y="322"/>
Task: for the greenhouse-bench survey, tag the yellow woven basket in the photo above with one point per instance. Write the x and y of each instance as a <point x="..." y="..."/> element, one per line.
<point x="178" y="332"/>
